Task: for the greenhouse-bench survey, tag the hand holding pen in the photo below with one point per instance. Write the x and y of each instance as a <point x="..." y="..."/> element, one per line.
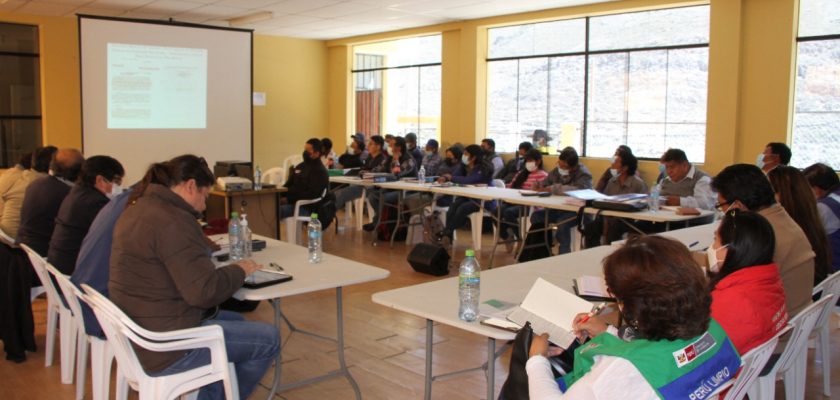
<point x="588" y="325"/>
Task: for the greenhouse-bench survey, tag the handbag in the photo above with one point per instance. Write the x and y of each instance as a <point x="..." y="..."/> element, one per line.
<point x="516" y="384"/>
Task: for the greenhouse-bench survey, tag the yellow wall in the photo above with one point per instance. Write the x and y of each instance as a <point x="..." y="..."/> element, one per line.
<point x="751" y="62"/>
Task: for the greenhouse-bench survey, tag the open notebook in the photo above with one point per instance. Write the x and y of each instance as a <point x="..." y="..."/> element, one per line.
<point x="550" y="309"/>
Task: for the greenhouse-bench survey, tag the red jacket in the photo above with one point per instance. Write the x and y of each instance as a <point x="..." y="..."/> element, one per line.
<point x="750" y="305"/>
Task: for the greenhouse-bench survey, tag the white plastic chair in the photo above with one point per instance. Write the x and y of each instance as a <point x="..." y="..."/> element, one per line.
<point x="10" y="241"/>
<point x="290" y="162"/>
<point x="56" y="312"/>
<point x="274" y="176"/>
<point x="122" y="333"/>
<point x="751" y="365"/>
<point x="477" y="221"/>
<point x="830" y="285"/>
<point x="292" y="223"/>
<point x="793" y="361"/>
<point x="102" y="355"/>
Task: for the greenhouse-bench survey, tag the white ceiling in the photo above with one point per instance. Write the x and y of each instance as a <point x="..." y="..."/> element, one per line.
<point x="312" y="19"/>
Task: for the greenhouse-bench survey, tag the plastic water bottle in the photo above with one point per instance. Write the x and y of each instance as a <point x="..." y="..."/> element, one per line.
<point x="469" y="287"/>
<point x="235" y="237"/>
<point x="421" y="175"/>
<point x="314" y="239"/>
<point x="653" y="200"/>
<point x="258" y="179"/>
<point x="245" y="236"/>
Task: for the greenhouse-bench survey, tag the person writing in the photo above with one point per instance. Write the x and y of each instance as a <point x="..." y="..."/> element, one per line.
<point x="671" y="347"/>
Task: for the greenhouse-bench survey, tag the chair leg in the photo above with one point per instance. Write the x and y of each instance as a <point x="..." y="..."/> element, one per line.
<point x="233" y="382"/>
<point x="825" y="353"/>
<point x="291" y="230"/>
<point x="359" y="211"/>
<point x="476" y="222"/>
<point x="81" y="362"/>
<point x="67" y="339"/>
<point x="52" y="320"/>
<point x="122" y="384"/>
<point x="101" y="357"/>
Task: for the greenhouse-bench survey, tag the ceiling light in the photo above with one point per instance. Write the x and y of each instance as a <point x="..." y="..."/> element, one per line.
<point x="251" y="18"/>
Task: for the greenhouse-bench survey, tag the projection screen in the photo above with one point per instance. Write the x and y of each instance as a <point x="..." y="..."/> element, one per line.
<point x="152" y="90"/>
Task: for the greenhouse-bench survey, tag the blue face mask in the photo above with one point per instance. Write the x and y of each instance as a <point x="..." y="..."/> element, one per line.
<point x="759" y="162"/>
<point x="465" y="159"/>
<point x="661" y="168"/>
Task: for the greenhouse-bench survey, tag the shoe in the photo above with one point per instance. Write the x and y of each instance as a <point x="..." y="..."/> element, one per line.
<point x="369" y="227"/>
<point x="509" y="246"/>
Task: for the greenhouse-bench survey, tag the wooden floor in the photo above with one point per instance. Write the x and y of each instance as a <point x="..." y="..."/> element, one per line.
<point x="385" y="348"/>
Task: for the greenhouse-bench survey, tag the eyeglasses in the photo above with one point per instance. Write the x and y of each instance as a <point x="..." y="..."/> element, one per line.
<point x="720" y="206"/>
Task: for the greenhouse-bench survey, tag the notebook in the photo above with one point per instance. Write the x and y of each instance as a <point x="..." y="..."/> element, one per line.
<point x="550" y="309"/>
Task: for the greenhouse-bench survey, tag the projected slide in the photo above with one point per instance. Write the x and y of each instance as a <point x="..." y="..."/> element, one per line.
<point x="156" y="87"/>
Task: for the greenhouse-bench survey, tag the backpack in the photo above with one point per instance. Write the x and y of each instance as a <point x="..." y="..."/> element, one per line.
<point x="591" y="231"/>
<point x="535" y="246"/>
<point x="432" y="224"/>
<point x="327" y="210"/>
<point x="385" y="229"/>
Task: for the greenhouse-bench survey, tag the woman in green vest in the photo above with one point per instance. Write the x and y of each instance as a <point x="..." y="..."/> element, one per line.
<point x="670" y="347"/>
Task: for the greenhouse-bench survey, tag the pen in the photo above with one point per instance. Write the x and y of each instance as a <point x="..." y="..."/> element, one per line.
<point x="595" y="311"/>
<point x="276" y="266"/>
<point x="693" y="244"/>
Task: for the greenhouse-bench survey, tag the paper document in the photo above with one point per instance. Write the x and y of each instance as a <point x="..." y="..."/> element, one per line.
<point x="550" y="309"/>
<point x="589" y="285"/>
<point x="586" y="194"/>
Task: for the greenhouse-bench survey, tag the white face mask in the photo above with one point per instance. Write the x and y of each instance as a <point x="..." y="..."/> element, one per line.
<point x="531" y="166"/>
<point x="759" y="161"/>
<point x="465" y="159"/>
<point x="563" y="172"/>
<point x="612" y="160"/>
<point x="350" y="150"/>
<point x="714" y="263"/>
<point x="613" y="172"/>
<point x="116" y="190"/>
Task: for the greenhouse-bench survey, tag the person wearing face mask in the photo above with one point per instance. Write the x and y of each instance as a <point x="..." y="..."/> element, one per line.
<point x="401" y="165"/>
<point x="745" y="187"/>
<point x="774" y="154"/>
<point x="489" y="147"/>
<point x="515" y="164"/>
<point x="684" y="184"/>
<point x="99" y="181"/>
<point x="307" y="181"/>
<point x="826" y="187"/>
<point x="569" y="175"/>
<point x="451" y="166"/>
<point x="748" y="299"/>
<point x="624" y="182"/>
<point x="356" y="154"/>
<point x="431" y="160"/>
<point x="525" y="179"/>
<point x="376" y="161"/>
<point x="478" y="171"/>
<point x="413" y="150"/>
<point x="611" y="171"/>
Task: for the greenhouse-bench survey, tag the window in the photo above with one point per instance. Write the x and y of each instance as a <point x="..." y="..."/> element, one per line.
<point x="20" y="93"/>
<point x="397" y="87"/>
<point x="593" y="83"/>
<point x="816" y="116"/>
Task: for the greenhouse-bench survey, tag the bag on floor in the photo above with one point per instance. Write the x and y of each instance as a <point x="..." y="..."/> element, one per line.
<point x="432" y="224"/>
<point x="385" y="229"/>
<point x="516" y="384"/>
<point x="429" y="259"/>
<point x="535" y="246"/>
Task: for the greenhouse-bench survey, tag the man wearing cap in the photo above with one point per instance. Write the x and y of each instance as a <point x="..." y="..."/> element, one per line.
<point x="356" y="154"/>
<point x="413" y="151"/>
<point x="431" y="161"/>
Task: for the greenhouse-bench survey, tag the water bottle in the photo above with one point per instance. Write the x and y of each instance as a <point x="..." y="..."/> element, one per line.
<point x="245" y="236"/>
<point x="469" y="287"/>
<point x="653" y="199"/>
<point x="314" y="239"/>
<point x="258" y="179"/>
<point x="421" y="175"/>
<point x="235" y="237"/>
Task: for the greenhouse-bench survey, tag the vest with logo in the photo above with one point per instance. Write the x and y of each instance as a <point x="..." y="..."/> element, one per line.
<point x="676" y="369"/>
<point x="683" y="188"/>
<point x="832" y="201"/>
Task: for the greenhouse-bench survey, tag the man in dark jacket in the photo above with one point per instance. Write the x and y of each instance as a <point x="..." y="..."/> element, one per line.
<point x="308" y="180"/>
<point x="43" y="198"/>
<point x="515" y="164"/>
<point x="100" y="179"/>
<point x="413" y="151"/>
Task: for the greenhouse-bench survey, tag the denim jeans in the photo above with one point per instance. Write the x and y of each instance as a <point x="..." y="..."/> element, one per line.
<point x="251" y="347"/>
<point x="564" y="234"/>
<point x="390" y="196"/>
<point x="350" y="193"/>
<point x="510" y="220"/>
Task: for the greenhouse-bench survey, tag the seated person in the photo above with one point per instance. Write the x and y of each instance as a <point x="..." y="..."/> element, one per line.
<point x="12" y="191"/>
<point x="479" y="170"/>
<point x="328" y="156"/>
<point x="12" y="175"/>
<point x="745" y="187"/>
<point x="612" y="171"/>
<point x="432" y="159"/>
<point x="489" y="147"/>
<point x="624" y="182"/>
<point x="402" y="165"/>
<point x="663" y="294"/>
<point x="794" y="194"/>
<point x="307" y="181"/>
<point x="413" y="150"/>
<point x="356" y="154"/>
<point x="377" y="161"/>
<point x="99" y="180"/>
<point x="515" y="164"/>
<point x="774" y="155"/>
<point x="748" y="299"/>
<point x="526" y="179"/>
<point x="43" y="198"/>
<point x="163" y="278"/>
<point x="569" y="175"/>
<point x="451" y="166"/>
<point x="540" y="140"/>
<point x="826" y="187"/>
<point x="684" y="185"/>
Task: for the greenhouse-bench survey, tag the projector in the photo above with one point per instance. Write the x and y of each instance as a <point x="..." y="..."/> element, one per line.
<point x="232" y="183"/>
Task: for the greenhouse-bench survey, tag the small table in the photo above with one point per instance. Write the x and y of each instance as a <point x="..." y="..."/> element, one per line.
<point x="262" y="208"/>
<point x="331" y="273"/>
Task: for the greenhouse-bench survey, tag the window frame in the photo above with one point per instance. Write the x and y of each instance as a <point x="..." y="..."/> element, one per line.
<point x="24" y="117"/>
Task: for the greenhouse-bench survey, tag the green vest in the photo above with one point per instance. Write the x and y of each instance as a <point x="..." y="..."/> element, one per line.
<point x="676" y="369"/>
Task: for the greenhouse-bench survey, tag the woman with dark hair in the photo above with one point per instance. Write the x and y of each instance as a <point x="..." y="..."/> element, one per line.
<point x="163" y="278"/>
<point x="478" y="171"/>
<point x="451" y="166"/>
<point x="795" y="195"/>
<point x="748" y="299"/>
<point x="402" y="165"/>
<point x="525" y="179"/>
<point x="671" y="346"/>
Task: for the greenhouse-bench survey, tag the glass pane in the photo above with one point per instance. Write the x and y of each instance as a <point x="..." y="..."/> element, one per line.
<point x="819" y="17"/>
<point x="565" y="111"/>
<point x="816" y="126"/>
<point x="502" y="83"/>
<point x="648" y="85"/>
<point x="411" y="51"/>
<point x="688" y="78"/>
<point x="429" y="105"/>
<point x="691" y="138"/>
<point x="670" y="27"/>
<point x="553" y="37"/>
<point x="646" y="140"/>
<point x="607" y="87"/>
<point x="603" y="137"/>
<point x="18" y="38"/>
<point x="18" y="137"/>
<point x="401" y="101"/>
<point x="533" y="95"/>
<point x="19" y="86"/>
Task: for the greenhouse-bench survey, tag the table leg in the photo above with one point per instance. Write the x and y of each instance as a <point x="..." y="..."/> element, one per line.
<point x="400" y="199"/>
<point x="429" y="351"/>
<point x="341" y="362"/>
<point x="278" y="317"/>
<point x="491" y="368"/>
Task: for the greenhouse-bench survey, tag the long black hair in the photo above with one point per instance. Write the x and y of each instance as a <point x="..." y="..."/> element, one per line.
<point x="522" y="175"/>
<point x="749" y="241"/>
<point x="173" y="172"/>
<point x="481" y="161"/>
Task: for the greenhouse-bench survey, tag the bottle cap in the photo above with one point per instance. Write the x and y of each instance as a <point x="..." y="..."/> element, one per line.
<point x="470" y="253"/>
<point x="234" y="215"/>
<point x="314" y="216"/>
